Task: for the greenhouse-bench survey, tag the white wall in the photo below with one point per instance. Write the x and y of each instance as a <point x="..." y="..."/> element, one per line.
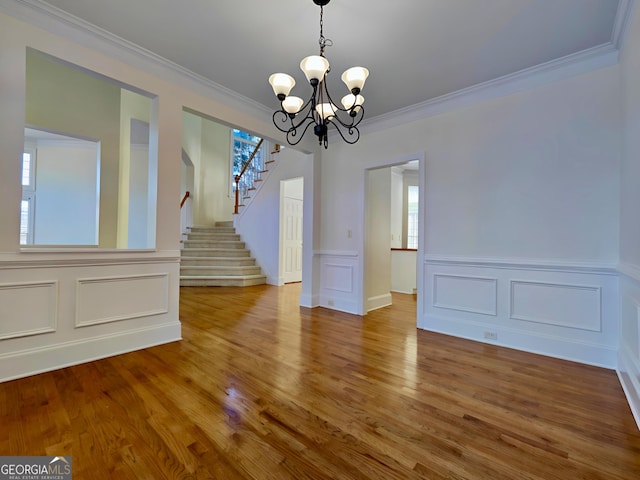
<point x="208" y="145"/>
<point x="377" y="284"/>
<point x="403" y="270"/>
<point x="396" y="205"/>
<point x="259" y="222"/>
<point x="521" y="188"/>
<point x="66" y="202"/>
<point x="629" y="266"/>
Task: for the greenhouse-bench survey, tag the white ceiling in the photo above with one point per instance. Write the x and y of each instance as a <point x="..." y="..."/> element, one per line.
<point x="416" y="50"/>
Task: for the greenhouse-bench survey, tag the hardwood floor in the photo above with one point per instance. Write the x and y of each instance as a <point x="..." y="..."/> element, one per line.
<point x="263" y="389"/>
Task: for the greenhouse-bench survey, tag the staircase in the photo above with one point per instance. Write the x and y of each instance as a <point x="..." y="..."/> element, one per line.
<point x="215" y="256"/>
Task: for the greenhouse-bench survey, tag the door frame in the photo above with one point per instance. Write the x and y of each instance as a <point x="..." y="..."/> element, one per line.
<point x="420" y="158"/>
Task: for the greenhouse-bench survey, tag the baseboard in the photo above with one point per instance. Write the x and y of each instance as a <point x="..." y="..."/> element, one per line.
<point x="309" y="300"/>
<point x="629" y="374"/>
<point x="38" y="360"/>
<point x="379" y="301"/>
<point x="582" y="352"/>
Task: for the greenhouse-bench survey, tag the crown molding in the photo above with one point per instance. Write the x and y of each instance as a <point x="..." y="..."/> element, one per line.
<point x="623" y="16"/>
<point x="601" y="56"/>
<point x="571" y="65"/>
<point x="59" y="22"/>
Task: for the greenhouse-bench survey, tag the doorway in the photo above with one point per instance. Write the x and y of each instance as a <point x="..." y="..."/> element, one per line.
<point x="386" y="229"/>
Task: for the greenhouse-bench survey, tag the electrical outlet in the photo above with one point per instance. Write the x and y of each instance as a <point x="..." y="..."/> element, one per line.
<point x="330" y="303"/>
<point x="491" y="335"/>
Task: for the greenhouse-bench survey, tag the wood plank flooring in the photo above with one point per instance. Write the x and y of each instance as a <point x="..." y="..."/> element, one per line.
<point x="263" y="389"/>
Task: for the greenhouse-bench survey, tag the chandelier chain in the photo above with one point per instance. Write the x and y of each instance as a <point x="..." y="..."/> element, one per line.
<point x="324" y="42"/>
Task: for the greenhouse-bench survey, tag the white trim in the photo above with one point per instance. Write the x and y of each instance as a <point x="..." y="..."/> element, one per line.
<point x="52" y="326"/>
<point x="163" y="297"/>
<point x="533" y="342"/>
<point x="577" y="63"/>
<point x="526" y="318"/>
<point x="61" y="23"/>
<point x="629" y="270"/>
<point x="336" y="253"/>
<point x="461" y="308"/>
<point x="379" y="301"/>
<point x="623" y="16"/>
<point x="628" y="373"/>
<point x="522" y="264"/>
<point x="69" y="258"/>
<point x="44" y="359"/>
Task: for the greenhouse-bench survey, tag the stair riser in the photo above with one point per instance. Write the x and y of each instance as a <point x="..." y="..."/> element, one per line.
<point x="221" y="283"/>
<point x="213" y="244"/>
<point x="211" y="271"/>
<point x="215" y="237"/>
<point x="217" y="261"/>
<point x="214" y="252"/>
<point x="212" y="230"/>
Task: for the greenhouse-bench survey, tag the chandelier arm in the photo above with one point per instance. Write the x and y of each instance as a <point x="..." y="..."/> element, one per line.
<point x="354" y="120"/>
<point x="353" y="134"/>
<point x="293" y="132"/>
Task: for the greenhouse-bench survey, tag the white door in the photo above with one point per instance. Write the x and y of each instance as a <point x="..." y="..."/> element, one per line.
<point x="292" y="240"/>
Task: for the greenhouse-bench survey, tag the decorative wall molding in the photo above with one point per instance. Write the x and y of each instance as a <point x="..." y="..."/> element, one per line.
<point x="59" y="22"/>
<point x="337" y="277"/>
<point x="629" y="270"/>
<point x="480" y="293"/>
<point x="618" y="35"/>
<point x="522" y="264"/>
<point x="71" y="257"/>
<point x="340" y="288"/>
<point x="110" y="299"/>
<point x="556" y="304"/>
<point x="51" y="357"/>
<point x="31" y="306"/>
<point x="571" y="65"/>
<point x="569" y="311"/>
<point x="62" y="23"/>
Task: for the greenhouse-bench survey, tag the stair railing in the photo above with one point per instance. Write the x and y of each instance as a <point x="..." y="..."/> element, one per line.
<point x="244" y="180"/>
<point x="184" y="199"/>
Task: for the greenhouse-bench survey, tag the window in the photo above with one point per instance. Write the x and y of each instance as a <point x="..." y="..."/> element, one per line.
<point x="412" y="216"/>
<point x="28" y="195"/>
<point x="242" y="147"/>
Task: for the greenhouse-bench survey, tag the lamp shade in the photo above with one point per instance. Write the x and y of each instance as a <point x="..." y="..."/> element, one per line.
<point x="350" y="101"/>
<point x="354" y="78"/>
<point x="292" y="104"/>
<point x="326" y="110"/>
<point x="281" y="84"/>
<point x="314" y="67"/>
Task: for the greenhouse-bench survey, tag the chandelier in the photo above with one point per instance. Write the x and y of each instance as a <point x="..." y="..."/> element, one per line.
<point x="295" y="116"/>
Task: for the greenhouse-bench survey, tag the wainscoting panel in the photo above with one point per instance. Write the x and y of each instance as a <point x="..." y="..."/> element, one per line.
<point x="64" y="307"/>
<point x="573" y="306"/>
<point x="560" y="310"/>
<point x="337" y="277"/>
<point x="340" y="287"/>
<point x="465" y="293"/>
<point x="30" y="308"/>
<point x="110" y="299"/>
